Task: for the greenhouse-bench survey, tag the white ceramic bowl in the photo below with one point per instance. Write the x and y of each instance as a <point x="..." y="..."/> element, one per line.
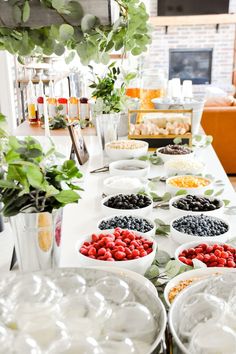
<point x="113" y="185"/>
<point x="134" y="212"/>
<point x="196" y="274"/>
<point x="188" y="245"/>
<point x="139" y="265"/>
<point x="127" y="153"/>
<point x="181" y="237"/>
<point x="194" y="191"/>
<point x="116" y="168"/>
<point x="184" y="167"/>
<point x="167" y="157"/>
<point x="180" y="212"/>
<point x="149" y="233"/>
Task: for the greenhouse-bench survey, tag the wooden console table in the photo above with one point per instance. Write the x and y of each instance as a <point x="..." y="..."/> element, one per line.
<point x="25" y="129"/>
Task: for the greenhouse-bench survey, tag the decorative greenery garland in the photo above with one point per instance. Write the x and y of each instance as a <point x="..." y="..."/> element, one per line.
<point x="90" y="39"/>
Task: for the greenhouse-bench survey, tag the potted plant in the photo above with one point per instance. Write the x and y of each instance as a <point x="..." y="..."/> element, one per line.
<point x="33" y="191"/>
<point x="110" y="101"/>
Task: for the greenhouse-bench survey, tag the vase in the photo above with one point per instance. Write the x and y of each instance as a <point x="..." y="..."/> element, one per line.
<point x="107" y="127"/>
<point x="37" y="238"/>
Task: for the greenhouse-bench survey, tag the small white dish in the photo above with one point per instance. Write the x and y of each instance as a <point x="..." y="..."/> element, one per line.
<point x="181" y="212"/>
<point x="129" y="149"/>
<point x="181" y="237"/>
<point x="123" y="184"/>
<point x="149" y="233"/>
<point x="167" y="157"/>
<point x="132" y="168"/>
<point x="180" y="166"/>
<point x="111" y="211"/>
<point x="195" y="274"/>
<point x="139" y="265"/>
<point x="190" y="190"/>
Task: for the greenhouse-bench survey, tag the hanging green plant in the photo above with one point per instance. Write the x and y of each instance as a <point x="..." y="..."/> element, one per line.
<point x="47" y="27"/>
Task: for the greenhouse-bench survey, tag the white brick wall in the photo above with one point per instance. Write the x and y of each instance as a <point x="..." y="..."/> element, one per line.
<point x="196" y="36"/>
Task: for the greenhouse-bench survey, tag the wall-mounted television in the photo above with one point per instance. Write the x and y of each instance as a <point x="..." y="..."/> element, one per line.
<point x="191" y="7"/>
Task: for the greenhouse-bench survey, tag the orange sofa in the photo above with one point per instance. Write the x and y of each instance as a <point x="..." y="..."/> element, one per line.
<point x="220" y="122"/>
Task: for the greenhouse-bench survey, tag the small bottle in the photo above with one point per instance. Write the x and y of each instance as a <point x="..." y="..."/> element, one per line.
<point x="32" y="104"/>
<point x="63" y="104"/>
<point x="73" y="105"/>
<point x="40" y="101"/>
<point x="84" y="109"/>
<point x="52" y="101"/>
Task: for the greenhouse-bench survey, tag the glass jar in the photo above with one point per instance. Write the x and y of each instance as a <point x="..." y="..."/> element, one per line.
<point x="153" y="86"/>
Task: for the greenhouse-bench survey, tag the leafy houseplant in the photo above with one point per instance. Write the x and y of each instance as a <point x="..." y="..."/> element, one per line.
<point x="31" y="27"/>
<point x="33" y="191"/>
<point x="29" y="184"/>
<point x="109" y="99"/>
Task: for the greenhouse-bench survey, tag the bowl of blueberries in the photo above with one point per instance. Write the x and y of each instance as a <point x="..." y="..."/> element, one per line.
<point x="130" y="222"/>
<point x="203" y="228"/>
<point x="195" y="205"/>
<point x="123" y="204"/>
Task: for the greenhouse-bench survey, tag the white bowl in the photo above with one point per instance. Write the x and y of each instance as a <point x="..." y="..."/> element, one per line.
<point x="194" y="191"/>
<point x="196" y="274"/>
<point x="188" y="245"/>
<point x="111" y="211"/>
<point x="127" y="153"/>
<point x="115" y="168"/>
<point x="139" y="265"/>
<point x="113" y="185"/>
<point x="167" y="157"/>
<point x="149" y="233"/>
<point x="180" y="212"/>
<point x="181" y="237"/>
<point x="188" y="167"/>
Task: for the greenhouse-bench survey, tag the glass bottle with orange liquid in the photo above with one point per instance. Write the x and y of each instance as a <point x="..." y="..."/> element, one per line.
<point x="32" y="104"/>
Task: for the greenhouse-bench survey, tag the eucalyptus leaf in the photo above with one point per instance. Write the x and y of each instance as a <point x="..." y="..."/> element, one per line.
<point x="162" y="258"/>
<point x="66" y="32"/>
<point x="17" y="13"/>
<point x="88" y="22"/>
<point x="26" y="11"/>
<point x="181" y="192"/>
<point x="226" y="202"/>
<point x="172" y="268"/>
<point x="209" y="192"/>
<point x="218" y="192"/>
<point x="152" y="272"/>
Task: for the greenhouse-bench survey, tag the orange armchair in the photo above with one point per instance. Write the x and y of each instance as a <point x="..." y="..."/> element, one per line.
<point x="220" y="122"/>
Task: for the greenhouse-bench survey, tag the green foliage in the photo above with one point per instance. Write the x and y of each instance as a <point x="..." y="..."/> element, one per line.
<point x="81" y="33"/>
<point x="30" y="183"/>
<point x="108" y="98"/>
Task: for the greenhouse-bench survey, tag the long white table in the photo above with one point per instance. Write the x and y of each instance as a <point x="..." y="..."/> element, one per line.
<point x="82" y="218"/>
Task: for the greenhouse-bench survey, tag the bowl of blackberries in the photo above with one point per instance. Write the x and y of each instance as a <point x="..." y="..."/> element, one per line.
<point x="123" y="204"/>
<point x="195" y="205"/>
<point x="201" y="228"/>
<point x="130" y="222"/>
<point x="169" y="152"/>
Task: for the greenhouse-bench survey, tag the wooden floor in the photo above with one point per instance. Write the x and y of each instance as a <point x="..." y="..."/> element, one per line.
<point x="233" y="181"/>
